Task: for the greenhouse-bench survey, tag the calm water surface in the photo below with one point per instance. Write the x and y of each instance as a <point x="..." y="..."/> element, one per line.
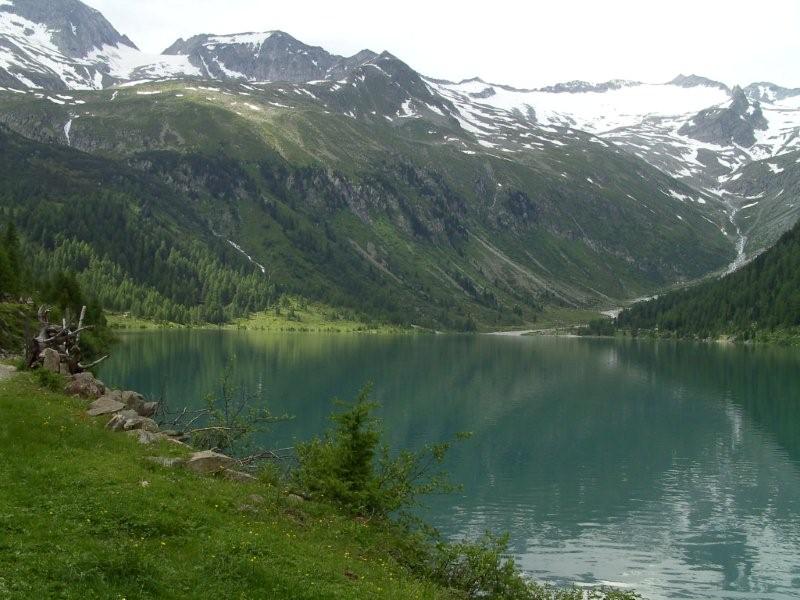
<point x="670" y="468"/>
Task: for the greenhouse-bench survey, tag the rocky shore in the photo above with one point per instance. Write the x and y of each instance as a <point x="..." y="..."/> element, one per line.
<point x="129" y="412"/>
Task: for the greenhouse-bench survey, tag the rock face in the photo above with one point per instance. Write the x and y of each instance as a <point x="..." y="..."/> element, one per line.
<point x="267" y="56"/>
<point x="690" y="81"/>
<point x="75" y="28"/>
<point x="765" y="91"/>
<point x="51" y="45"/>
<point x="86" y="386"/>
<point x="105" y="405"/>
<point x="734" y="124"/>
<point x="578" y="87"/>
<point x="208" y="462"/>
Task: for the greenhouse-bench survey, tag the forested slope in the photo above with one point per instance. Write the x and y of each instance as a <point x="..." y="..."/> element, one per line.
<point x="762" y="297"/>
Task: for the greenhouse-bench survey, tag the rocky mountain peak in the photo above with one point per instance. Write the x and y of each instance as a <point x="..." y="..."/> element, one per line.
<point x="265" y="56"/>
<point x="765" y="91"/>
<point x="74" y="28"/>
<point x="579" y="87"/>
<point x="690" y="81"/>
<point x="54" y="44"/>
<point x="732" y="124"/>
<point x="739" y="101"/>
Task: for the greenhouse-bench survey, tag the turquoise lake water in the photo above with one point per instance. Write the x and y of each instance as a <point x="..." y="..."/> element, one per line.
<point x="673" y="468"/>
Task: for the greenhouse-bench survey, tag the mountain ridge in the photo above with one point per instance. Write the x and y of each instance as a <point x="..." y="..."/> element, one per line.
<point x="578" y="195"/>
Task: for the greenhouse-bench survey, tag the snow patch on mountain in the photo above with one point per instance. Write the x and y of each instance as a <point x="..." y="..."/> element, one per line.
<point x="595" y="112"/>
<point x="124" y="62"/>
<point x="249" y="39"/>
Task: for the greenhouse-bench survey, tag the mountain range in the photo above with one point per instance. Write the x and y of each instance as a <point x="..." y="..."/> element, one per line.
<point x="359" y="181"/>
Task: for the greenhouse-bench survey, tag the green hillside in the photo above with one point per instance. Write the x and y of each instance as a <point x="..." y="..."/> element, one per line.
<point x="411" y="222"/>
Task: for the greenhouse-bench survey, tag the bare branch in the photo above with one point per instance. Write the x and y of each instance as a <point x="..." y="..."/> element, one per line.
<point x="94" y="364"/>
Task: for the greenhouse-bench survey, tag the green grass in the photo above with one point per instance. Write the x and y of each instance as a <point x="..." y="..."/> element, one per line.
<point x="303" y="316"/>
<point x="84" y="515"/>
<point x="128" y="321"/>
<point x="294" y="315"/>
<point x="556" y="317"/>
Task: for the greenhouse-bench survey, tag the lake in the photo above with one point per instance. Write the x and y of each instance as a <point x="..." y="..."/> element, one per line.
<point x="673" y="468"/>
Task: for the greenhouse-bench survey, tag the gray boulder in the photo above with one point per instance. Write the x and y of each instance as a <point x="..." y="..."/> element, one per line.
<point x="143" y="423"/>
<point x="118" y="421"/>
<point x="238" y="476"/>
<point x="133" y="401"/>
<point x="145" y="437"/>
<point x="105" y="405"/>
<point x="86" y="386"/>
<point x="208" y="462"/>
<point x="51" y="360"/>
<point x="149" y="409"/>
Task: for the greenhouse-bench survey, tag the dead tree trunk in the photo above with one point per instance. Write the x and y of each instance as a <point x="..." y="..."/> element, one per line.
<point x="62" y="341"/>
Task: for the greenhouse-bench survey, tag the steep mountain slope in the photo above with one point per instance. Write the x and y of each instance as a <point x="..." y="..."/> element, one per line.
<point x="762" y="297"/>
<point x="267" y="56"/>
<point x="770" y="189"/>
<point x="136" y="244"/>
<point x="398" y="186"/>
<point x="697" y="130"/>
<point x="65" y="45"/>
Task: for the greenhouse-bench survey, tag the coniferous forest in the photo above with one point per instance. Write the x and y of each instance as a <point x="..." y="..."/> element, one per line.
<point x="762" y="297"/>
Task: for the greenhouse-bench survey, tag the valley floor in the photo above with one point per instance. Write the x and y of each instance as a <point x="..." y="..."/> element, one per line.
<point x="306" y="317"/>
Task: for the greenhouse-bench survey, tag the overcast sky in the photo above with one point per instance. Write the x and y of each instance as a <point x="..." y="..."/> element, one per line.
<point x="521" y="43"/>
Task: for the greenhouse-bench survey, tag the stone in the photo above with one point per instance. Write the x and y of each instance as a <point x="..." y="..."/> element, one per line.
<point x="149" y="409"/>
<point x="117" y="422"/>
<point x="144" y="423"/>
<point x="177" y="436"/>
<point x="295" y="499"/>
<point x="105" y="405"/>
<point x="133" y="401"/>
<point x="252" y="503"/>
<point x="115" y="394"/>
<point x="208" y="462"/>
<point x="166" y="461"/>
<point x="177" y="442"/>
<point x="145" y="437"/>
<point x="238" y="476"/>
<point x="51" y="360"/>
<point x="86" y="386"/>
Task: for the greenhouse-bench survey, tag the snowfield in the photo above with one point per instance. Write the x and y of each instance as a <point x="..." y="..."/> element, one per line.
<point x="595" y="112"/>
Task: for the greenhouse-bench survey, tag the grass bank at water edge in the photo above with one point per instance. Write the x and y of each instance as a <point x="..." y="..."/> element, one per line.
<point x="83" y="514"/>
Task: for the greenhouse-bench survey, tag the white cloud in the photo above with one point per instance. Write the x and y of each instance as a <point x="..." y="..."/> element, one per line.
<point x="521" y="43"/>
